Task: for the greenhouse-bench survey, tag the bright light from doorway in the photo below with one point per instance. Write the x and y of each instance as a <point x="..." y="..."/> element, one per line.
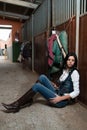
<point x="5" y="31"/>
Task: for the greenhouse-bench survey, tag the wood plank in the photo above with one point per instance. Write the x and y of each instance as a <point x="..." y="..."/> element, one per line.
<point x="21" y="3"/>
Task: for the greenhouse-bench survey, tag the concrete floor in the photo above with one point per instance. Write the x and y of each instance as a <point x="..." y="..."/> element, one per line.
<point x="14" y="81"/>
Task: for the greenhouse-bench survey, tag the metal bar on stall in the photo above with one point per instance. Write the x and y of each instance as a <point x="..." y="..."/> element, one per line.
<point x="84" y="6"/>
<point x="69" y="8"/>
<point x="32" y="44"/>
<point x="77" y="26"/>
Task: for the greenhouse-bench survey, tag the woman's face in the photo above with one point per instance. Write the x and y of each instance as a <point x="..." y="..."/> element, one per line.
<point x="70" y="61"/>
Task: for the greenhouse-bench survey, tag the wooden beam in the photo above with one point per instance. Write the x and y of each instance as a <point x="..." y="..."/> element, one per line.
<point x="20" y="3"/>
<point x="13" y="15"/>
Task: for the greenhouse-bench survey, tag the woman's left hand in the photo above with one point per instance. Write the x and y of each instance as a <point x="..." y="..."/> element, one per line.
<point x="55" y="99"/>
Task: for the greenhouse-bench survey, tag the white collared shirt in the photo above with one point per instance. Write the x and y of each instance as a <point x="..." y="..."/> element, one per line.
<point x="75" y="79"/>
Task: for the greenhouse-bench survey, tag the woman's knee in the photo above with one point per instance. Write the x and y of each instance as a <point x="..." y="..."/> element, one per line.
<point x="35" y="87"/>
<point x="42" y="77"/>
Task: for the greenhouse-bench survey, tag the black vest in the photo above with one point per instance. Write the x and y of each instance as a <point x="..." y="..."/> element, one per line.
<point x="65" y="86"/>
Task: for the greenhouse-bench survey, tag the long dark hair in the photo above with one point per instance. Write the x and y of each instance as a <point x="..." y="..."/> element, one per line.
<point x="66" y="58"/>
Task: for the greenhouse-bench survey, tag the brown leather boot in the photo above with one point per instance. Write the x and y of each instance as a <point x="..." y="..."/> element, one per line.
<point x="25" y="100"/>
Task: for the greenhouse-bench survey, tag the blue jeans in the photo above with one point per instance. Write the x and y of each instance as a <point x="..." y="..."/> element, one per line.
<point x="46" y="89"/>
